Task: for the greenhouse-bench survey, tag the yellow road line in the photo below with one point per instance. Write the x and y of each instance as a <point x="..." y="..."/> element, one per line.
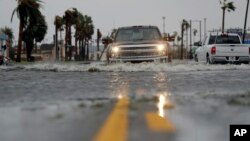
<point x="116" y="126"/>
<point x="159" y="124"/>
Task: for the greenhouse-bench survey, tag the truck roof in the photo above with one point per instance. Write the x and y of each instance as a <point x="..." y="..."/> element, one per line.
<point x="229" y="34"/>
<point x="138" y="26"/>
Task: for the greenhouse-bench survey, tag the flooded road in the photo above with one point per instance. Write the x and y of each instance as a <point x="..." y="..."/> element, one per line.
<point x="181" y="101"/>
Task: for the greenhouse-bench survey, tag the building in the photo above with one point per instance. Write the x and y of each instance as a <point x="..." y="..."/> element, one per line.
<point x="4" y="49"/>
<point x="48" y="52"/>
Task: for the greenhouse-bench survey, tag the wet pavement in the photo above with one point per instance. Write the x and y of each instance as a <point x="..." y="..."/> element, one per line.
<point x="47" y="103"/>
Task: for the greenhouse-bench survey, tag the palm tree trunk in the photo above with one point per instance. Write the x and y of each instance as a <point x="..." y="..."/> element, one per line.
<point x="20" y="37"/>
<point x="182" y="33"/>
<point x="29" y="48"/>
<point x="223" y="20"/>
<point x="66" y="41"/>
<point x="75" y="49"/>
<point x="56" y="43"/>
<point x="84" y="49"/>
<point x="87" y="50"/>
<point x="70" y="43"/>
<point x="245" y="24"/>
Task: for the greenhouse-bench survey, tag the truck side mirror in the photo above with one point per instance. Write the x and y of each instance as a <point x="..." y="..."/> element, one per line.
<point x="107" y="41"/>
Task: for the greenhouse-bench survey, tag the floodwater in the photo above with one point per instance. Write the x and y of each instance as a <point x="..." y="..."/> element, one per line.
<point x="69" y="101"/>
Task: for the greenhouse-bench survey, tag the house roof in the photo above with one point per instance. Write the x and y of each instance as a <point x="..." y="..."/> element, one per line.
<point x="47" y="47"/>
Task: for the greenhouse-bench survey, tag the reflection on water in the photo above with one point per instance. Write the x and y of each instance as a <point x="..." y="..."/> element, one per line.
<point x="163" y="103"/>
<point x="160" y="77"/>
<point x="119" y="86"/>
<point x="120" y="96"/>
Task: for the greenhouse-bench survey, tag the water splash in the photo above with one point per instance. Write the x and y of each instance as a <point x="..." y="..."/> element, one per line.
<point x="175" y="66"/>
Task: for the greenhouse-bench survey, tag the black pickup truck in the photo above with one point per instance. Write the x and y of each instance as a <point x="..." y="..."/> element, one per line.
<point x="137" y="43"/>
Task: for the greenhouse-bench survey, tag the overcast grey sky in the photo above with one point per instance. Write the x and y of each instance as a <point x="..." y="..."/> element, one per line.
<point x="108" y="14"/>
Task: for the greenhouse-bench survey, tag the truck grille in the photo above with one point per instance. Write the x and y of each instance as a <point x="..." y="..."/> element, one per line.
<point x="137" y="48"/>
<point x="138" y="52"/>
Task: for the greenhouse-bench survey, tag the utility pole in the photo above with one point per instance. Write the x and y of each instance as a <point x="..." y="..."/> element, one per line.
<point x="182" y="34"/>
<point x="99" y="35"/>
<point x="205" y="27"/>
<point x="56" y="42"/>
<point x="244" y="34"/>
<point x="190" y="50"/>
<point x="200" y="30"/>
<point x="164" y="24"/>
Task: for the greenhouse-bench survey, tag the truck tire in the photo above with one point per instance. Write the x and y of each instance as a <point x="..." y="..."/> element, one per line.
<point x="208" y="60"/>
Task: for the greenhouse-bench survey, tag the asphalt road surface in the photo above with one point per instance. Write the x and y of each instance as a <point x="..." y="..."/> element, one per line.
<point x="122" y="102"/>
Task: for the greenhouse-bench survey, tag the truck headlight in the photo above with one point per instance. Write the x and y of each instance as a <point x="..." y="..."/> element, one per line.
<point x="115" y="49"/>
<point x="161" y="47"/>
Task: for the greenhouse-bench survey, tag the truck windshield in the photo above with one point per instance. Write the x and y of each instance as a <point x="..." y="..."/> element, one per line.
<point x="137" y="34"/>
<point x="224" y="40"/>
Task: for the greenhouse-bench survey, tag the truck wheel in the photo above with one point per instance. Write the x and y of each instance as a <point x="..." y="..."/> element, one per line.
<point x="208" y="60"/>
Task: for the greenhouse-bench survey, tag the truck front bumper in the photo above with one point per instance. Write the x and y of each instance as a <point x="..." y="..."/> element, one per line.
<point x="128" y="59"/>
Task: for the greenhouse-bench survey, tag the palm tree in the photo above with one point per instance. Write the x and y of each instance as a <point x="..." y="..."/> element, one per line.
<point x="85" y="34"/>
<point x="35" y="32"/>
<point x="229" y="6"/>
<point x="58" y="22"/>
<point x="9" y="32"/>
<point x="76" y="15"/>
<point x="26" y="11"/>
<point x="184" y="26"/>
<point x="69" y="21"/>
<point x="89" y="32"/>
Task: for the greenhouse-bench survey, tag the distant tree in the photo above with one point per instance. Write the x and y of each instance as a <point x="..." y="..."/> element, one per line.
<point x="226" y="6"/>
<point x="85" y="35"/>
<point x="89" y="32"/>
<point x="69" y="19"/>
<point x="35" y="32"/>
<point x="76" y="22"/>
<point x="58" y="22"/>
<point x="27" y="11"/>
<point x="84" y="29"/>
<point x="9" y="32"/>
